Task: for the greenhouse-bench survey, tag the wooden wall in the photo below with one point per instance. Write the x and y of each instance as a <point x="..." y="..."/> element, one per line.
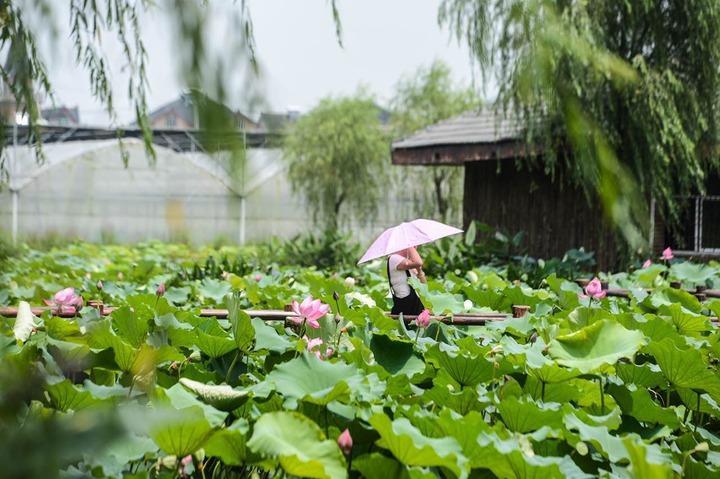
<point x="554" y="218"/>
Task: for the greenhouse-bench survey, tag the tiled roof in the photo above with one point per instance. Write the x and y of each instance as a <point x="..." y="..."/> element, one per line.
<point x="484" y="126"/>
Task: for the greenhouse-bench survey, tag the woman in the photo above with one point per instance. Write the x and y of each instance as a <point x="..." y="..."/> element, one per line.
<point x="400" y="267"/>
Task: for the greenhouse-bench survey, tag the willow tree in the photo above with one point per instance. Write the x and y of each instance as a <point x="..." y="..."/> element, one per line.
<point x="423" y="98"/>
<point x="95" y="25"/>
<point x="338" y="155"/>
<point x="631" y="88"/>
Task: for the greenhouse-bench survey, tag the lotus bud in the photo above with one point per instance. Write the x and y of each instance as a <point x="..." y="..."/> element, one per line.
<point x="423" y="319"/>
<point x="160" y="291"/>
<point x="336" y="296"/>
<point x="99" y="285"/>
<point x="349" y="282"/>
<point x="345" y="442"/>
<point x="258" y="277"/>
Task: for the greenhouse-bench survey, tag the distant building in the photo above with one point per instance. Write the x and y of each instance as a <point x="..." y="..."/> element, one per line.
<point x="275" y="121"/>
<point x="181" y="114"/>
<point x="61" y="116"/>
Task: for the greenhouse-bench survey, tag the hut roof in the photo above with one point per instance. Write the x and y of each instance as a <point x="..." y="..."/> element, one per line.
<point x="472" y="136"/>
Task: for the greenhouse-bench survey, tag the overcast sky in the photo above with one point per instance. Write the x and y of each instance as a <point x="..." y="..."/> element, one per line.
<point x="297" y="47"/>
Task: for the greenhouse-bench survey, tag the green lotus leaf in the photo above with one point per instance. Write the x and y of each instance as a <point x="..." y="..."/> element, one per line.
<point x="686" y="323"/>
<point x="685" y="368"/>
<point x="648" y="461"/>
<point x="242" y="329"/>
<point x="412" y="448"/>
<point x="646" y="375"/>
<point x="62" y="328"/>
<point x="638" y="403"/>
<point x="697" y="470"/>
<point x="230" y="444"/>
<point x="518" y="326"/>
<point x="707" y="404"/>
<point x="377" y="466"/>
<point x="65" y="396"/>
<point x="179" y="431"/>
<point x="395" y="356"/>
<point x="267" y="338"/>
<point x="695" y="273"/>
<point x="214" y="345"/>
<point x="552" y="373"/>
<point x="129" y="326"/>
<point x="115" y="458"/>
<point x="222" y="397"/>
<point x="178" y="397"/>
<point x="177" y="295"/>
<point x="466" y="370"/>
<point x="600" y="437"/>
<point x="310" y="379"/>
<point x="514" y="458"/>
<point x="439" y="302"/>
<point x="525" y="415"/>
<point x="584" y="316"/>
<point x="465" y="430"/>
<point x="124" y="353"/>
<point x="602" y="343"/>
<point x="214" y="289"/>
<point x="298" y="444"/>
<point x="461" y="400"/>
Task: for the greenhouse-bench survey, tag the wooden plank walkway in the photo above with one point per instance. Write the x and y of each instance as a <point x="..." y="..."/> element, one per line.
<point x="467" y="319"/>
<point x="464" y="319"/>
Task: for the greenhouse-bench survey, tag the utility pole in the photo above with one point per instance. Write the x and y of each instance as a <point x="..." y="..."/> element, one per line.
<point x="15" y="194"/>
<point x="242" y="187"/>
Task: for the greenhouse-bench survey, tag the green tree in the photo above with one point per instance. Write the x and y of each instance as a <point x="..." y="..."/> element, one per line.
<point x="631" y="87"/>
<point x="338" y="156"/>
<point x="422" y="99"/>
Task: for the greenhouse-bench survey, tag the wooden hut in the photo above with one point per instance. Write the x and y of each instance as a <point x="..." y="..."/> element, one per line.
<point x="501" y="189"/>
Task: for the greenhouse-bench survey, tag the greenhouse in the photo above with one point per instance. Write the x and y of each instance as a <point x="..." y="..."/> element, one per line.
<point x="82" y="189"/>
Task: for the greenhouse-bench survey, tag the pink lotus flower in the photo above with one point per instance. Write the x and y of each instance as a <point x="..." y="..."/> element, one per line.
<point x="594" y="289"/>
<point x="423" y="319"/>
<point x="647" y="264"/>
<point x="667" y="254"/>
<point x="66" y="301"/>
<point x="309" y="311"/>
<point x="313" y="346"/>
<point x="258" y="277"/>
<point x="345" y="442"/>
<point x="160" y="289"/>
<point x="186" y="460"/>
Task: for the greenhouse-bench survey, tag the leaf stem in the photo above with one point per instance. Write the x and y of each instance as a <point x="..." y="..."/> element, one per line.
<point x="232" y="365"/>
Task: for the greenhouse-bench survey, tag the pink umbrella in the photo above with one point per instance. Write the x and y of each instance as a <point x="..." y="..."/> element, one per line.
<point x="406" y="235"/>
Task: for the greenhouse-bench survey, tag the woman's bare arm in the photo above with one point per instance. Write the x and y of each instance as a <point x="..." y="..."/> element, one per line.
<point x="412" y="261"/>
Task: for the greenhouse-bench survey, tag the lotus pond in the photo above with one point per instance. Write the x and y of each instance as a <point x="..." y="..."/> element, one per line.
<point x="579" y="387"/>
